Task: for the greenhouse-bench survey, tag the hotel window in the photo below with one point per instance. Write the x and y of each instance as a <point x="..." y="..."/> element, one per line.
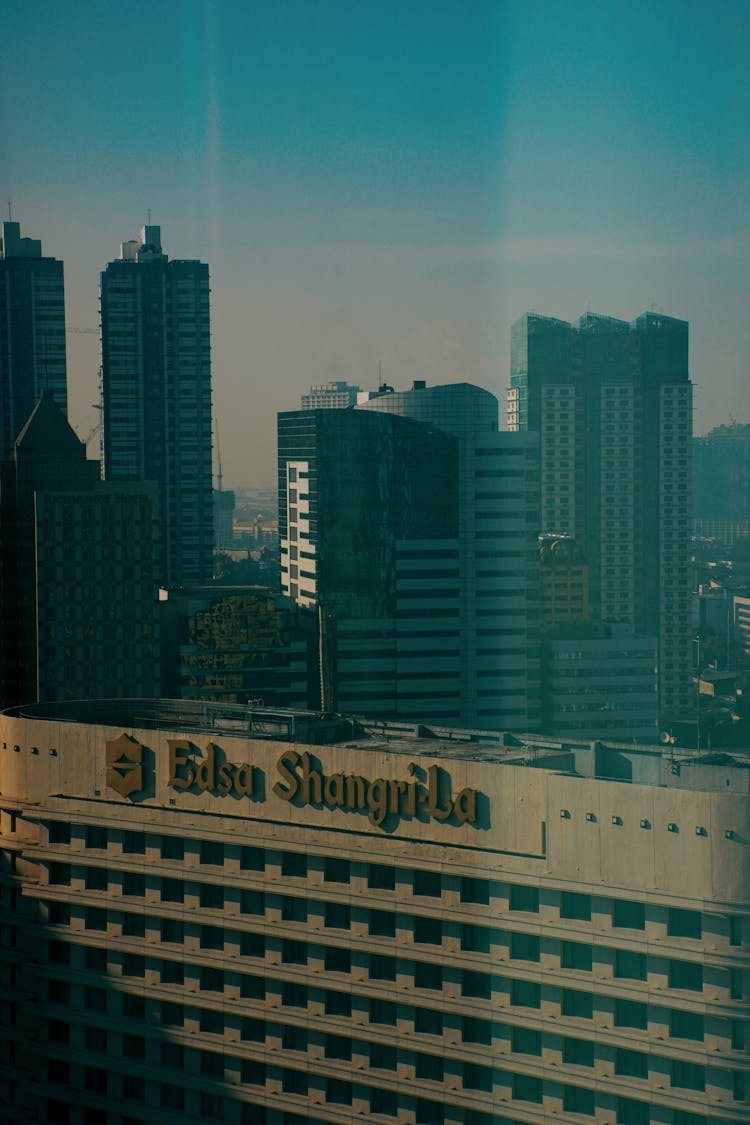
<point x="133" y="843"/>
<point x="253" y="1030"/>
<point x="630" y="965"/>
<point x="428" y="1021"/>
<point x="96" y="959"/>
<point x="172" y="1097"/>
<point x="293" y="909"/>
<point x="338" y="1047"/>
<point x="58" y="914"/>
<point x="212" y="1022"/>
<point x="253" y="945"/>
<point x="629" y="915"/>
<point x="293" y="952"/>
<point x="172" y="972"/>
<point x="96" y="837"/>
<point x="133" y="965"/>
<point x="172" y="890"/>
<point x="336" y="870"/>
<point x="631" y="1013"/>
<point x="133" y="1046"/>
<point x="688" y="1076"/>
<point x="252" y="859"/>
<point x="337" y="960"/>
<point x="576" y="955"/>
<point x="576" y="906"/>
<point x="337" y="916"/>
<point x="427" y="883"/>
<point x="526" y="1041"/>
<point x="384" y="1102"/>
<point x="429" y="1113"/>
<point x="134" y="925"/>
<point x="527" y="1088"/>
<point x="211" y="853"/>
<point x="735" y="931"/>
<point x="211" y="937"/>
<point x="524" y="947"/>
<point x="212" y="896"/>
<point x="59" y="874"/>
<point x="428" y="931"/>
<point x="172" y="930"/>
<point x="383" y="1056"/>
<point x="578" y="1100"/>
<point x="381" y="878"/>
<point x="382" y="967"/>
<point x="254" y="1073"/>
<point x="632" y="1064"/>
<point x="338" y="1091"/>
<point x="96" y="879"/>
<point x="476" y="985"/>
<point x="252" y="988"/>
<point x="475" y="891"/>
<point x="525" y="994"/>
<point x="133" y="884"/>
<point x="524" y="898"/>
<point x="686" y="974"/>
<point x="382" y="923"/>
<point x="172" y="847"/>
<point x="476" y="1030"/>
<point x="338" y="1003"/>
<point x="430" y="1067"/>
<point x="294" y="865"/>
<point x="475" y="939"/>
<point x="212" y="980"/>
<point x="294" y="1082"/>
<point x="59" y="832"/>
<point x="253" y="902"/>
<point x="428" y="976"/>
<point x="684" y="923"/>
<point x="631" y="1112"/>
<point x="579" y="1005"/>
<point x="383" y="1011"/>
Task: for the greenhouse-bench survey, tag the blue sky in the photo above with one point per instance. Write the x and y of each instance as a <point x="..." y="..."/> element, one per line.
<point x="392" y="182"/>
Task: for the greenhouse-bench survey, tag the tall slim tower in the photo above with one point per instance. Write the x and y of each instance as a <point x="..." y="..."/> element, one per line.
<point x="156" y="394"/>
<point x="612" y="403"/>
<point x="32" y="332"/>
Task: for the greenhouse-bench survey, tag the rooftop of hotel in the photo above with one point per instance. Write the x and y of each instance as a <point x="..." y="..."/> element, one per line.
<point x="659" y="765"/>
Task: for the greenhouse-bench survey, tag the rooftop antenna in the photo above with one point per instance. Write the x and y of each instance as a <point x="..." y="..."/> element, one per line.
<point x="148" y="209"/>
<point x="10" y="211"/>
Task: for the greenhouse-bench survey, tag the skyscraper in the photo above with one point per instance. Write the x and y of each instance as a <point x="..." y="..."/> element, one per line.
<point x="32" y="332"/>
<point x="612" y="403"/>
<point x="426" y="518"/>
<point x="156" y="394"/>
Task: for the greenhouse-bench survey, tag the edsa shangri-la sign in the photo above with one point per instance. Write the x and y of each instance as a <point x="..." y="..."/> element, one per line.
<point x="425" y="793"/>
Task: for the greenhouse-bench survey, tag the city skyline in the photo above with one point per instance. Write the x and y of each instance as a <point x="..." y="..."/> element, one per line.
<point x="376" y="185"/>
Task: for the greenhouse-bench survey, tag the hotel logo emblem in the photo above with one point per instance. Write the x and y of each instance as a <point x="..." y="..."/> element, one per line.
<point x="125" y="765"/>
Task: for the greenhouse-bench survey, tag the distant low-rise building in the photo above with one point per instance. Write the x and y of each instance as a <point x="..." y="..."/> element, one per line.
<point x="335" y="395"/>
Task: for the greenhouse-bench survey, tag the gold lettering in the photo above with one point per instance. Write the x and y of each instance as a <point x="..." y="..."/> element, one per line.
<point x="288" y="786"/>
<point x="465" y="806"/>
<point x="396" y="789"/>
<point x="377" y="800"/>
<point x="179" y="749"/>
<point x="224" y="775"/>
<point x="204" y="775"/>
<point x="355" y="792"/>
<point x="433" y="796"/>
<point x="334" y="794"/>
<point x="411" y="797"/>
<point x="243" y="780"/>
<point x="311" y="783"/>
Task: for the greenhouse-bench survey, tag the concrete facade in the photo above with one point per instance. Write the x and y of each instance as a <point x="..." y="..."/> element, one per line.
<point x="570" y="941"/>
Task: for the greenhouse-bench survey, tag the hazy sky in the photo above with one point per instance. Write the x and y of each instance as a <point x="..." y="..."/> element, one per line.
<point x="393" y="182"/>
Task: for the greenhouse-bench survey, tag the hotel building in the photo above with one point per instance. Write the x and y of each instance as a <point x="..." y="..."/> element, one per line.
<point x="216" y="914"/>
